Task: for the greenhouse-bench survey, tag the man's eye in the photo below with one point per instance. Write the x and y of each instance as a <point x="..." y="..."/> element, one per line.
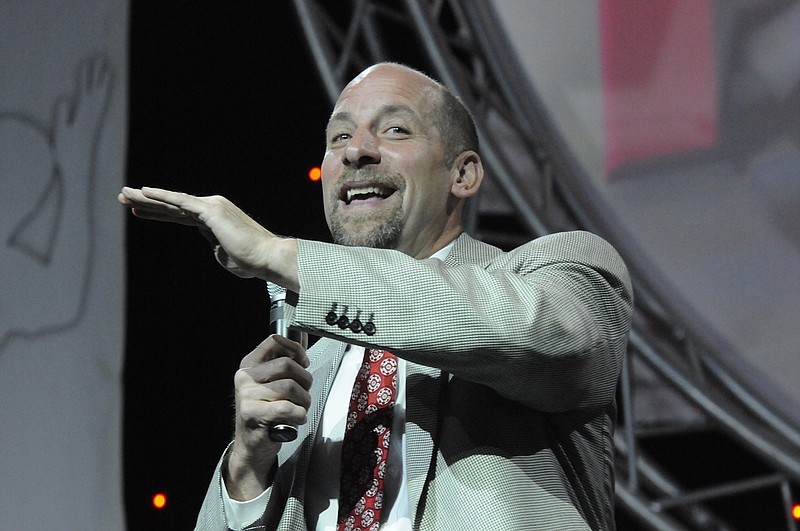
<point x="397" y="130"/>
<point x="341" y="137"/>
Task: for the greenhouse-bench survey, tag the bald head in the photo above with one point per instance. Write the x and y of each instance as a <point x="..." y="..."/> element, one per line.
<point x="448" y="113"/>
<point x="399" y="162"/>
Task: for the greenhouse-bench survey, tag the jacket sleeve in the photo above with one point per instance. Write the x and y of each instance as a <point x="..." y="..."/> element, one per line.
<point x="212" y="512"/>
<point x="213" y="515"/>
<point x="545" y="325"/>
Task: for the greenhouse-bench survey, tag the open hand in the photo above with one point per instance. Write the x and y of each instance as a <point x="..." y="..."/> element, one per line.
<point x="241" y="245"/>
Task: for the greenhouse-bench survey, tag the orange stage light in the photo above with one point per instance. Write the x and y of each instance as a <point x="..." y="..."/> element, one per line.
<point x="315" y="173"/>
<point x="159" y="500"/>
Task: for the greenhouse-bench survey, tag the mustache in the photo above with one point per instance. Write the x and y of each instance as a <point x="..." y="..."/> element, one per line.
<point x="370" y="175"/>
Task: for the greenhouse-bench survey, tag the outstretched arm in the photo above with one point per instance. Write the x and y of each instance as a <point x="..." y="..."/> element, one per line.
<point x="241" y="245"/>
<point x="544" y="325"/>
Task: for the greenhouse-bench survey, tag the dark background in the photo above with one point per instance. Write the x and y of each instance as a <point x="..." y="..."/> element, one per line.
<point x="224" y="99"/>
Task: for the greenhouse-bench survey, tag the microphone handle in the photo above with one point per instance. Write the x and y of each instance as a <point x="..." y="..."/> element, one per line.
<point x="277" y="325"/>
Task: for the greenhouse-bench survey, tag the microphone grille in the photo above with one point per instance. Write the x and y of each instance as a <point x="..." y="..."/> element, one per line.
<point x="275" y="291"/>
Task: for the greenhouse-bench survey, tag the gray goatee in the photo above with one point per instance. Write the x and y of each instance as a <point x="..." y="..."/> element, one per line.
<point x="380" y="229"/>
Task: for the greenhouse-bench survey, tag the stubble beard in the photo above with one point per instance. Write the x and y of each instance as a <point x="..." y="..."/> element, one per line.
<point x="379" y="228"/>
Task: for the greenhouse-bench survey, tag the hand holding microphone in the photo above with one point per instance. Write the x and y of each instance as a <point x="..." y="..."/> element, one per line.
<point x="277" y="325"/>
<point x="271" y="388"/>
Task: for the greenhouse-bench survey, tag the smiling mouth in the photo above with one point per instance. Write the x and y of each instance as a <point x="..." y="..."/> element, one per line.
<point x="365" y="192"/>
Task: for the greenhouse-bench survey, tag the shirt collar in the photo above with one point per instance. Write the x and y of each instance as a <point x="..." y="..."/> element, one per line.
<point x="442" y="253"/>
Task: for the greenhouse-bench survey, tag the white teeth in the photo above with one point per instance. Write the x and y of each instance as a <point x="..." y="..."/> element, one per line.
<point x="366" y="190"/>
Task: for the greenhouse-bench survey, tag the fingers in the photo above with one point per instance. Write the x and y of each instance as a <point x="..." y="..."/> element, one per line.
<point x="135" y="198"/>
<point x="261" y="415"/>
<point x="177" y="199"/>
<point x="178" y="207"/>
<point x="154" y="199"/>
<point x="273" y="347"/>
<point x="272" y="385"/>
<point x="261" y="405"/>
<point x="146" y="203"/>
<point x="274" y="370"/>
<point x="282" y="399"/>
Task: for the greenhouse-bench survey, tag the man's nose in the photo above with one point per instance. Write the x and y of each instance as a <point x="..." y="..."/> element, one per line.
<point x="362" y="149"/>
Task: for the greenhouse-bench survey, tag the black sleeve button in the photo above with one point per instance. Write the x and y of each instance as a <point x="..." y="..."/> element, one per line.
<point x="332" y="317"/>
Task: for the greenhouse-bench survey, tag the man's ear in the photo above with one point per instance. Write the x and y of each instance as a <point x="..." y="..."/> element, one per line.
<point x="468" y="170"/>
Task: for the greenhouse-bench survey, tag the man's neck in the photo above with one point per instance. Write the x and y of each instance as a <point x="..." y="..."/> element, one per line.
<point x="442" y="253"/>
<point x="443" y="241"/>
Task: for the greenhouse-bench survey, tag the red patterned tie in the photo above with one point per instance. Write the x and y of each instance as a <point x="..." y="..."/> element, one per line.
<point x="366" y="442"/>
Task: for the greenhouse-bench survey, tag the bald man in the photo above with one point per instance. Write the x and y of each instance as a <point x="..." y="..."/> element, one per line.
<point x="487" y="379"/>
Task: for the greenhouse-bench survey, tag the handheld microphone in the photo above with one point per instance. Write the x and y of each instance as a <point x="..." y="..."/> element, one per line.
<point x="278" y="325"/>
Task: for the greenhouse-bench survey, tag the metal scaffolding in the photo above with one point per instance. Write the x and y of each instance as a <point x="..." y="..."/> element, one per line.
<point x="538" y="189"/>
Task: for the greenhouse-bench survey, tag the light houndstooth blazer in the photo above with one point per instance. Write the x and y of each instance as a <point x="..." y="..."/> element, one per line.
<point x="530" y="345"/>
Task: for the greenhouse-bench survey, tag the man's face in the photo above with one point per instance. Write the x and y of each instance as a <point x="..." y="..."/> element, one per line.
<point x="384" y="178"/>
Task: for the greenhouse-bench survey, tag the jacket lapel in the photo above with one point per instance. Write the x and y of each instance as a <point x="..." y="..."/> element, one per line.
<point x="325" y="355"/>
<point x="422" y="390"/>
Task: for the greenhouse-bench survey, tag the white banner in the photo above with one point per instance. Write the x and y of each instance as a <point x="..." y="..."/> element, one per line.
<point x="62" y="160"/>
